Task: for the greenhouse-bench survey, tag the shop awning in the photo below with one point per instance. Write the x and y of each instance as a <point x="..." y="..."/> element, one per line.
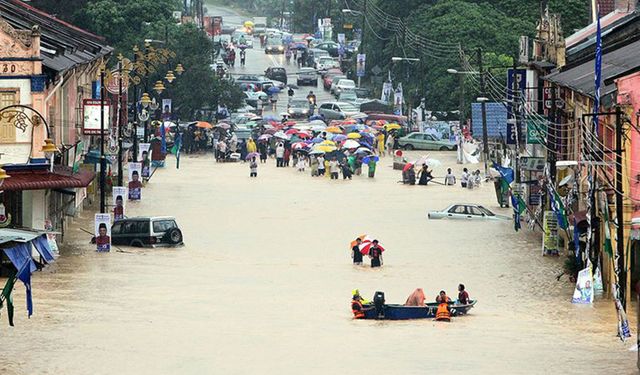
<point x="60" y="178"/>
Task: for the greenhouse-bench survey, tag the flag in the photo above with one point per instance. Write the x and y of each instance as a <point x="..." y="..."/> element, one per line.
<point x="163" y="139"/>
<point x="518" y="208"/>
<point x="558" y="208"/>
<point x="576" y="237"/>
<point x="506" y="173"/>
<point x="25" y="276"/>
<point x="6" y="294"/>
<point x="598" y="73"/>
<point x="608" y="248"/>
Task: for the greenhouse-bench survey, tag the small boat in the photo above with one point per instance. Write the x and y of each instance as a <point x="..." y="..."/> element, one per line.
<point x="402" y="312"/>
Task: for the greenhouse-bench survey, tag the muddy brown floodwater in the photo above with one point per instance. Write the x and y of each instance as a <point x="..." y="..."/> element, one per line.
<point x="264" y="282"/>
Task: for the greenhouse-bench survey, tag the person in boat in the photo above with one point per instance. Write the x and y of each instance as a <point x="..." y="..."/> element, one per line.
<point x="463" y="296"/>
<point x="443" y="313"/>
<point x="355" y="252"/>
<point x="357" y="307"/>
<point x="362" y="299"/>
<point x="416" y="298"/>
<point x="375" y="253"/>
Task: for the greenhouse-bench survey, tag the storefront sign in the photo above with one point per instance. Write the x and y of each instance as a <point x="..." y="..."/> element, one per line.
<point x="532" y="163"/>
<point x="550" y="238"/>
<point x="91" y="114"/>
<point x="113" y="83"/>
<point x="536" y="131"/>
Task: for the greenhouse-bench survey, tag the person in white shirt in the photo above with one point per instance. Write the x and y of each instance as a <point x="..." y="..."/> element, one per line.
<point x="464" y="179"/>
<point x="449" y="179"/>
<point x="301" y="164"/>
<point x="280" y="155"/>
<point x="389" y="144"/>
<point x="334" y="168"/>
<point x="321" y="167"/>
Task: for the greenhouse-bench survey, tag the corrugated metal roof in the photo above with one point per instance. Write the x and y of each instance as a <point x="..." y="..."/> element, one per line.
<point x="581" y="77"/>
<point x="17" y="235"/>
<point x="73" y="46"/>
<point x="39" y="179"/>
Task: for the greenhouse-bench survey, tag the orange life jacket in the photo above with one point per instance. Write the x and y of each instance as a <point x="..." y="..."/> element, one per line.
<point x="443" y="312"/>
<point x="356" y="309"/>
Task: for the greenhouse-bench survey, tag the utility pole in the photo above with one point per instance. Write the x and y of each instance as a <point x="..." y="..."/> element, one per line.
<point x="551" y="137"/>
<point x="622" y="277"/>
<point x="282" y="15"/>
<point x="103" y="175"/>
<point x="362" y="26"/>
<point x="119" y="110"/>
<point x="483" y="105"/>
<point x="515" y="112"/>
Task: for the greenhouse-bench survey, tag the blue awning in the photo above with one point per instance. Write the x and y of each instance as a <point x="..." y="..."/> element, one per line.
<point x="42" y="246"/>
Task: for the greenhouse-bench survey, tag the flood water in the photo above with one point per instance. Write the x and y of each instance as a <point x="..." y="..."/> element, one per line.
<point x="264" y="282"/>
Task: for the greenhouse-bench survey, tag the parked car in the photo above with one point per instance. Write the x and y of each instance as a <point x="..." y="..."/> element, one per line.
<point x="334" y="82"/>
<point x="298" y="108"/>
<point x="307" y="76"/>
<point x="331" y="47"/>
<point x="325" y="63"/>
<point x="315" y="55"/>
<point x="276" y="73"/>
<point x="424" y="141"/>
<point x="350" y="97"/>
<point x="344" y="85"/>
<point x="467" y="212"/>
<point x="337" y="110"/>
<point x="146" y="232"/>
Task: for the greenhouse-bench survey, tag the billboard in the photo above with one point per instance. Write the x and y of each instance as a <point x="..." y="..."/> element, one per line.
<point x="91" y="116"/>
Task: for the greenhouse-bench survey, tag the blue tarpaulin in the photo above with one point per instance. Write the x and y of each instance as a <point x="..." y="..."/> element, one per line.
<point x="496" y="120"/>
<point x="42" y="246"/>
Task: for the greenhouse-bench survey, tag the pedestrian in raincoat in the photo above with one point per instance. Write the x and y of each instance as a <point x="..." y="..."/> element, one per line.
<point x="372" y="167"/>
<point x="251" y="146"/>
<point x="381" y="144"/>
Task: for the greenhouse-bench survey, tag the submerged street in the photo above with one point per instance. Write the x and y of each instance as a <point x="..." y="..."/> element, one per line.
<point x="264" y="282"/>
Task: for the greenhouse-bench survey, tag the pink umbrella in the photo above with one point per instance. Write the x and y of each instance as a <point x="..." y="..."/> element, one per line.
<point x="298" y="145"/>
<point x="264" y="137"/>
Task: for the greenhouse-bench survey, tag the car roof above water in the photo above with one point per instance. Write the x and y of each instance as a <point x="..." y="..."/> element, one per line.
<point x="147" y="218"/>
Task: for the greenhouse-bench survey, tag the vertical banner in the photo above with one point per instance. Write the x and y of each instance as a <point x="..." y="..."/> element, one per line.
<point x="387" y="91"/>
<point x="135" y="185"/>
<point x="119" y="208"/>
<point x="361" y="62"/>
<point x="516" y="82"/>
<point x="398" y="100"/>
<point x="341" y="42"/>
<point x="166" y="109"/>
<point x="584" y="287"/>
<point x="145" y="158"/>
<point x="550" y="238"/>
<point x="103" y="232"/>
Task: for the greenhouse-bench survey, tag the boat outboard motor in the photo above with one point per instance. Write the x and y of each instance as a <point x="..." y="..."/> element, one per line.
<point x="378" y="301"/>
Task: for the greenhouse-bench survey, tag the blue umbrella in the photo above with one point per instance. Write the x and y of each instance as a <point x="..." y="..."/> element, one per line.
<point x="367" y="159"/>
<point x="273" y="90"/>
<point x="270" y="118"/>
<point x="315" y="117"/>
<point x="317" y="140"/>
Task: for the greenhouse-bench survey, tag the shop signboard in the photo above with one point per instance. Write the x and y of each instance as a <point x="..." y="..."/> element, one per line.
<point x="91" y="117"/>
<point x="536" y="131"/>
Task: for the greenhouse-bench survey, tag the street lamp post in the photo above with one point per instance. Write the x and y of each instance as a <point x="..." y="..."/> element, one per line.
<point x="362" y="27"/>
<point x="103" y="175"/>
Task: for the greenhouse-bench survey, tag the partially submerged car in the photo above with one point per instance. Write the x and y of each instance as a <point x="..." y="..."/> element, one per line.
<point x="147" y="231"/>
<point x="424" y="141"/>
<point x="466" y="212"/>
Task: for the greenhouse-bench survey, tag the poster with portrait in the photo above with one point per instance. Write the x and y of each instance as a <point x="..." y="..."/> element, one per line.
<point x="166" y="109"/>
<point x="387" y="90"/>
<point x="144" y="156"/>
<point x="135" y="181"/>
<point x="119" y="203"/>
<point x="51" y="237"/>
<point x="103" y="232"/>
<point x="584" y="287"/>
<point x="361" y="61"/>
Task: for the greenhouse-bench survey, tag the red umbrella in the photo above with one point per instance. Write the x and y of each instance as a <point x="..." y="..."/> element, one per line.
<point x="407" y="167"/>
<point x="365" y="246"/>
<point x="291" y="131"/>
<point x="298" y="145"/>
<point x="271" y="131"/>
<point x="290" y="123"/>
<point x="303" y="135"/>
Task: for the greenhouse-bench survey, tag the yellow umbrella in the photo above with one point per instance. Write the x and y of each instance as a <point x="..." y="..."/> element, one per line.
<point x="354" y="135"/>
<point x="327" y="143"/>
<point x="324" y="148"/>
<point x="248" y="24"/>
<point x="392" y="126"/>
<point x="333" y="129"/>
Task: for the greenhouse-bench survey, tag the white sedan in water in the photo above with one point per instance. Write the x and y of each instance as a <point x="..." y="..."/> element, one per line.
<point x="467" y="212"/>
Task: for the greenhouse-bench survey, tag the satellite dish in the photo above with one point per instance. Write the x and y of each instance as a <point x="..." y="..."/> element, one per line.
<point x="566" y="180"/>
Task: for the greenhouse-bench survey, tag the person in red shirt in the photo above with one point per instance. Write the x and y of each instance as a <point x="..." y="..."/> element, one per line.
<point x="463" y="296"/>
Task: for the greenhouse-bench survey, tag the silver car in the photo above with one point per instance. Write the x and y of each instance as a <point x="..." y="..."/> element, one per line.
<point x="466" y="212"/>
<point x="337" y="110"/>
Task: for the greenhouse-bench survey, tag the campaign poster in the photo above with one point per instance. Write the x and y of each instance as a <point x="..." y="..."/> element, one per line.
<point x="145" y="158"/>
<point x="135" y="183"/>
<point x="398" y="100"/>
<point x="119" y="205"/>
<point x="51" y="237"/>
<point x="550" y="238"/>
<point x="387" y="91"/>
<point x="166" y="109"/>
<point x="361" y="61"/>
<point x="103" y="232"/>
<point x="584" y="287"/>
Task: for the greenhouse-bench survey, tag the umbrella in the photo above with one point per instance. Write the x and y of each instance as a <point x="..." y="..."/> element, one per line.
<point x="333" y="129"/>
<point x="292" y="86"/>
<point x="407" y="167"/>
<point x="327" y="143"/>
<point x="354" y="243"/>
<point x="318" y="128"/>
<point x="204" y="125"/>
<point x="317" y="140"/>
<point x="252" y="155"/>
<point x="248" y="23"/>
<point x="271" y="131"/>
<point x="349" y="121"/>
<point x="317" y="122"/>
<point x="289" y="123"/>
<point x="339" y="138"/>
<point x="264" y="137"/>
<point x="392" y="126"/>
<point x="363" y="150"/>
<point x="223" y="125"/>
<point x="354" y="135"/>
<point x="298" y="145"/>
<point x="283" y="114"/>
<point x="428" y="161"/>
<point x="316" y="117"/>
<point x="273" y="90"/>
<point x="324" y="148"/>
<point x="303" y="135"/>
<point x="367" y="159"/>
<point x="281" y="135"/>
<point x="302" y="126"/>
<point x="365" y="246"/>
<point x="270" y="118"/>
<point x="291" y="131"/>
<point x="316" y="152"/>
<point x="350" y="143"/>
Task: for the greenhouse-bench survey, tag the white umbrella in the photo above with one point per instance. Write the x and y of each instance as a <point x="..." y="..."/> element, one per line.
<point x="318" y="128"/>
<point x="317" y="122"/>
<point x="428" y="161"/>
<point x="281" y="135"/>
<point x="350" y="143"/>
<point x="302" y="127"/>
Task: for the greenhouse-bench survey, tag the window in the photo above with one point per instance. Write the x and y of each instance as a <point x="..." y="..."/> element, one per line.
<point x="428" y="137"/>
<point x="414" y="136"/>
<point x="475" y="211"/>
<point x="136" y="227"/>
<point x="461" y="210"/>
<point x="325" y="106"/>
<point x="7" y="128"/>
<point x="117" y="227"/>
<point x="163" y="225"/>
